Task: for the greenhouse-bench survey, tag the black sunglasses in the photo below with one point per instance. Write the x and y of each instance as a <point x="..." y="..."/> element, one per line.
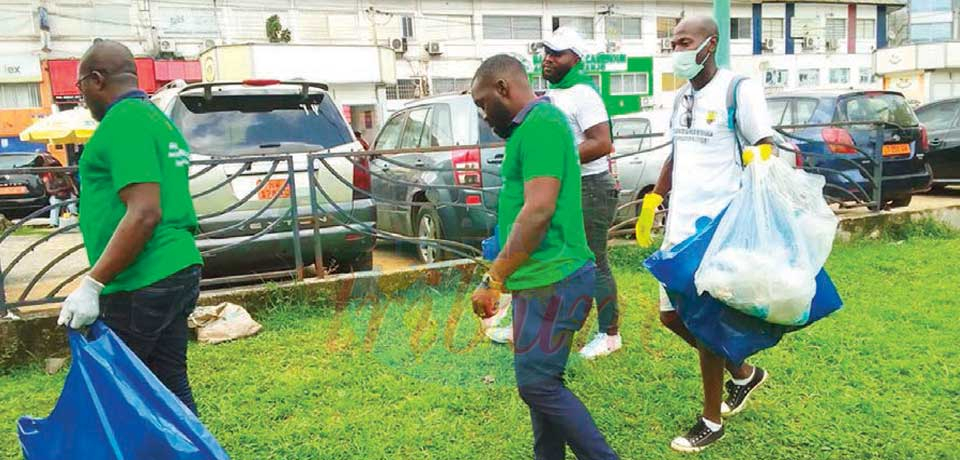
<point x="687" y="102"/>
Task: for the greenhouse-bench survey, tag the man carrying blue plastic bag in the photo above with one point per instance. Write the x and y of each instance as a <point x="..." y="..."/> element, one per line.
<point x="137" y="221"/>
<point x="702" y="175"/>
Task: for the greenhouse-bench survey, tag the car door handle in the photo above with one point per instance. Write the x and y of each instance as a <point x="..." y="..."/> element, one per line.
<point x="497" y="159"/>
<point x="936" y="142"/>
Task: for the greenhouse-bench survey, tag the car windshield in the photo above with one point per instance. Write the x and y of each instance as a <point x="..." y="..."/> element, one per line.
<point x="886" y="107"/>
<point x="226" y="123"/>
<point x="630" y="127"/>
<point x="10" y="161"/>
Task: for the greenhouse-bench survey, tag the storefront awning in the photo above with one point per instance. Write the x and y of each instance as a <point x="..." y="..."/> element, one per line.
<point x="167" y="71"/>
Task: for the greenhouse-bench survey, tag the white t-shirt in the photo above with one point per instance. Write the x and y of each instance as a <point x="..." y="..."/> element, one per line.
<point x="706" y="165"/>
<point x="584" y="109"/>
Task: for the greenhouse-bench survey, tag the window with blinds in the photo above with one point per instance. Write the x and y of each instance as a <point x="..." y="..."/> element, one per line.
<point x="583" y="25"/>
<point x="19" y="95"/>
<point x="836" y="29"/>
<point x="512" y="28"/>
<point x="772" y="28"/>
<point x="741" y="28"/>
<point x="866" y="29"/>
<point x="665" y="27"/>
<point x="449" y="85"/>
<point x="623" y="28"/>
<point x="629" y="83"/>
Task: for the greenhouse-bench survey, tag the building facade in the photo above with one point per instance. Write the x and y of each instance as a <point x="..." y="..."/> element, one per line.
<point x="434" y="46"/>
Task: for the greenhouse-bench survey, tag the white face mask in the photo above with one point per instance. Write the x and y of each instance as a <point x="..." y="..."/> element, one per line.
<point x="685" y="63"/>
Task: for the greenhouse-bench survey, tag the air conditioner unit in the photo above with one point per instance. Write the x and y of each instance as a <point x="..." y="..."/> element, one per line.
<point x="434" y="48"/>
<point x="809" y="43"/>
<point x="167" y="46"/>
<point x="534" y="47"/>
<point x="666" y="44"/>
<point x="398" y="45"/>
<point x="613" y="47"/>
<point x="830" y="45"/>
<point x="769" y="43"/>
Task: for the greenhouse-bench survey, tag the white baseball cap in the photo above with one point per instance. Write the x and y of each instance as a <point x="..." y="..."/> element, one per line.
<point x="565" y="38"/>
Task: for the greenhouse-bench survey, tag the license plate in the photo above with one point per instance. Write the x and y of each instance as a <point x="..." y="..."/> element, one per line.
<point x="272" y="188"/>
<point x="896" y="149"/>
<point x="14" y="190"/>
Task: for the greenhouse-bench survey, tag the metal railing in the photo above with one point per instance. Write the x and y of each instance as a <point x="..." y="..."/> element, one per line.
<point x="281" y="216"/>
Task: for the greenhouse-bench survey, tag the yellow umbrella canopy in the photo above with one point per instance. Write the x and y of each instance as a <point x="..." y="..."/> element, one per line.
<point x="74" y="126"/>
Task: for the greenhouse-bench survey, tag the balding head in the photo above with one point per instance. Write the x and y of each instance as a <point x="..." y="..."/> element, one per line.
<point x="702" y="27"/>
<point x="107" y="70"/>
<point x="500" y="90"/>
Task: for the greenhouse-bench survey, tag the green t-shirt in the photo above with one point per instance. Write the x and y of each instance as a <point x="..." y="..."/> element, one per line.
<point x="542" y="146"/>
<point x="136" y="143"/>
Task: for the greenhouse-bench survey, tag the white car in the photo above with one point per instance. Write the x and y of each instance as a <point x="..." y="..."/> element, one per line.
<point x="639" y="173"/>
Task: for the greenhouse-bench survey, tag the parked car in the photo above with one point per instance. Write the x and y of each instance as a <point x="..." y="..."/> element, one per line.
<point x="257" y="118"/>
<point x="942" y="120"/>
<point x="638" y="173"/>
<point x="825" y="149"/>
<point x="413" y="202"/>
<point x="22" y="194"/>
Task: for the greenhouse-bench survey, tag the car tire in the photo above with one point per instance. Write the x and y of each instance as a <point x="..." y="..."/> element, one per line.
<point x="901" y="202"/>
<point x="428" y="225"/>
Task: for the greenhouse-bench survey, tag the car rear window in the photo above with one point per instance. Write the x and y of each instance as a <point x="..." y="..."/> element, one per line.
<point x="886" y="107"/>
<point x="631" y="127"/>
<point x="10" y="161"/>
<point x="227" y="122"/>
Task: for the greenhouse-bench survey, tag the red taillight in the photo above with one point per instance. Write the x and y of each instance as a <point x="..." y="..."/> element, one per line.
<point x="255" y="82"/>
<point x="466" y="168"/>
<point x="361" y="178"/>
<point x="838" y="140"/>
<point x="797" y="156"/>
<point x="924" y="140"/>
<point x="473" y="200"/>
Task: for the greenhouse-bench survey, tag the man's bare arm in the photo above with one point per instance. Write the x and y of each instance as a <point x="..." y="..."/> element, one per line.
<point x="135" y="229"/>
<point x="596" y="143"/>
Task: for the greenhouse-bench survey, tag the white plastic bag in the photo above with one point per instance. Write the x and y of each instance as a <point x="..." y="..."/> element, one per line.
<point x="770" y="244"/>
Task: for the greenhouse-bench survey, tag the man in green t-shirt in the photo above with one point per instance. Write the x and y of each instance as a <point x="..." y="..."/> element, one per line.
<point x="137" y="221"/>
<point x="545" y="260"/>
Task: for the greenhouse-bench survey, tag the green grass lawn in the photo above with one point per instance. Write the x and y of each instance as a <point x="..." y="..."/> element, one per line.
<point x="407" y="379"/>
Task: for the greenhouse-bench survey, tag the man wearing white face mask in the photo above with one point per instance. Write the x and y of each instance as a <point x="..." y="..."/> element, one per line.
<point x="702" y="175"/>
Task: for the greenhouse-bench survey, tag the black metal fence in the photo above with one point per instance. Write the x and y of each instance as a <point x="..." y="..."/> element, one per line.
<point x="289" y="216"/>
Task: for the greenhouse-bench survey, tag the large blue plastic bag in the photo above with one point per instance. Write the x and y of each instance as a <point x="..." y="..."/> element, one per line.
<point x="771" y="243"/>
<point x="113" y="407"/>
<point x="724" y="330"/>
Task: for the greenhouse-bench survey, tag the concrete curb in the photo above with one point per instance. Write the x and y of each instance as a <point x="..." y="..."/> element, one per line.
<point x="870" y="225"/>
<point x="36" y="335"/>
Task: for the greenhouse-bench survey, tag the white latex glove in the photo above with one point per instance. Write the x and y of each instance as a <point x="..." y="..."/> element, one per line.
<point x="82" y="306"/>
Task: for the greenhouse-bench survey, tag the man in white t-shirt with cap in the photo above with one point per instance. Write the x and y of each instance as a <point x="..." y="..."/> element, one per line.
<point x="575" y="93"/>
<point x="702" y="175"/>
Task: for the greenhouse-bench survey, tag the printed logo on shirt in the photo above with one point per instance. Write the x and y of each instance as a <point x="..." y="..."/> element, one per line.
<point x="711" y="117"/>
<point x="180" y="156"/>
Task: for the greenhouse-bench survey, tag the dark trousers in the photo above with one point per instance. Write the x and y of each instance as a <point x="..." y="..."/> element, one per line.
<point x="544" y="322"/>
<point x="152" y="322"/>
<point x="599" y="194"/>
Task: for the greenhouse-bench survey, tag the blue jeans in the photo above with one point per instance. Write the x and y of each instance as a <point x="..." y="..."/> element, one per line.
<point x="152" y="322"/>
<point x="544" y="322"/>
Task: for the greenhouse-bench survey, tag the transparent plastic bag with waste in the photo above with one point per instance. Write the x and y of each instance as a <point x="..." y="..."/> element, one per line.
<point x="770" y="244"/>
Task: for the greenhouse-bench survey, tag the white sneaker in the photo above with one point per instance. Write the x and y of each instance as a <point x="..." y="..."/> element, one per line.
<point x="601" y="345"/>
<point x="500" y="334"/>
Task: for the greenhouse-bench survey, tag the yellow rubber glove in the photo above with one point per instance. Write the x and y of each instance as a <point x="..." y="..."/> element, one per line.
<point x="750" y="153"/>
<point x="651" y="202"/>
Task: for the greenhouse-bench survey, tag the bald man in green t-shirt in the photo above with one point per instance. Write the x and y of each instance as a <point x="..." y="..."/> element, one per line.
<point x="137" y="221"/>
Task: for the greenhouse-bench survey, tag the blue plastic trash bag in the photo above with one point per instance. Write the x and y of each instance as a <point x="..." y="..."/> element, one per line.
<point x="724" y="330"/>
<point x="113" y="407"/>
<point x="491" y="246"/>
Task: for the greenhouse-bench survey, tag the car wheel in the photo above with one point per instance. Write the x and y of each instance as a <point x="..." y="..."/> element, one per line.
<point x="428" y="226"/>
<point x="901" y="202"/>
